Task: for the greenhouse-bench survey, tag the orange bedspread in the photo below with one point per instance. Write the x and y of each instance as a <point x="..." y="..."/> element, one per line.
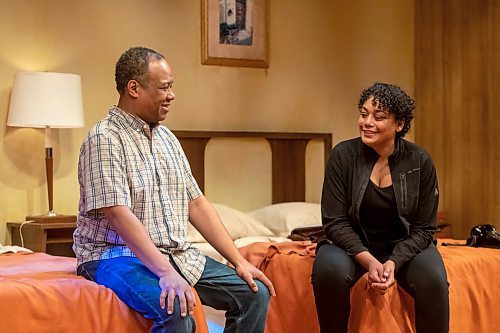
<point x="472" y="274"/>
<point x="41" y="293"/>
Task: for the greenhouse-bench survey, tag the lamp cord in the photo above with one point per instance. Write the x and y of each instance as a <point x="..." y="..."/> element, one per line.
<point x="21" y="231"/>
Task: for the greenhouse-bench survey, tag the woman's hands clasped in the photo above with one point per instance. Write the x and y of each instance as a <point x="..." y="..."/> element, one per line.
<point x="381" y="276"/>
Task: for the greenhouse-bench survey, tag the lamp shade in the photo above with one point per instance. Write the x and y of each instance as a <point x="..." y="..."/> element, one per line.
<point x="46" y="99"/>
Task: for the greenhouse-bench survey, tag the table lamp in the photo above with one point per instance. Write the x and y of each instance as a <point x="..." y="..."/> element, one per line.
<point x="47" y="100"/>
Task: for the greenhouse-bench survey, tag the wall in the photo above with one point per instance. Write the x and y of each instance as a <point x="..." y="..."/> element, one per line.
<point x="457" y="81"/>
<point x="322" y="53"/>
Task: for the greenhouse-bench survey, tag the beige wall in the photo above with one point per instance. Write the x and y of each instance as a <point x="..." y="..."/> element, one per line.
<point x="322" y="53"/>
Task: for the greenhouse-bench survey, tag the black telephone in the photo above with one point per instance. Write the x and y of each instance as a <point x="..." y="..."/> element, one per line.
<point x="481" y="235"/>
<point x="484" y="235"/>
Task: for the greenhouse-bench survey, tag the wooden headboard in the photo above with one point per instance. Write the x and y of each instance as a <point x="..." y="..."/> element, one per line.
<point x="288" y="151"/>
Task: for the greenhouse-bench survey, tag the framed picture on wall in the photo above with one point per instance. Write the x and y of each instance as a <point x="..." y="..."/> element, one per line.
<point x="235" y="33"/>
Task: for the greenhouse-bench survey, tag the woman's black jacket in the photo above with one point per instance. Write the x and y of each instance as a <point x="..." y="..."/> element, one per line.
<point x="415" y="185"/>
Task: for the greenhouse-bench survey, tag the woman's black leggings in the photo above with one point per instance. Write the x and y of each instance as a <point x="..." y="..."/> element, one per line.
<point x="424" y="278"/>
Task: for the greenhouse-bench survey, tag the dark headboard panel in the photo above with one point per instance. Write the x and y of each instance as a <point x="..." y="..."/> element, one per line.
<point x="288" y="157"/>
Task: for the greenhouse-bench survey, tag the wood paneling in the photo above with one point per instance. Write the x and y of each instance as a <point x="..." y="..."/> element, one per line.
<point x="457" y="66"/>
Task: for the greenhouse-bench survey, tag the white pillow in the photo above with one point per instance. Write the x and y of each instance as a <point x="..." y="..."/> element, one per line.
<point x="209" y="250"/>
<point x="282" y="218"/>
<point x="237" y="223"/>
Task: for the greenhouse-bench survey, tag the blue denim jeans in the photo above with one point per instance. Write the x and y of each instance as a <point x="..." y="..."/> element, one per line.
<point x="219" y="287"/>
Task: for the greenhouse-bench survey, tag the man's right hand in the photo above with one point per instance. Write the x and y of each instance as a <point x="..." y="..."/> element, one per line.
<point x="172" y="284"/>
<point x="137" y="239"/>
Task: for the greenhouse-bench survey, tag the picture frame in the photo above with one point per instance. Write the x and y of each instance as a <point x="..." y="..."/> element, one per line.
<point x="235" y="33"/>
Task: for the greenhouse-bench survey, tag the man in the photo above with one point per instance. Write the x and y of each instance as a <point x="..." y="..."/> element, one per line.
<point x="137" y="194"/>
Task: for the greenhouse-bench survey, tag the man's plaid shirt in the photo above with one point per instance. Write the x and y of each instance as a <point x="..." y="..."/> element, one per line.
<point x="125" y="162"/>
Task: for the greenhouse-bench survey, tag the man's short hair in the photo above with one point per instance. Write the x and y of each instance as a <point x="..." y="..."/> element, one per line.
<point x="133" y="64"/>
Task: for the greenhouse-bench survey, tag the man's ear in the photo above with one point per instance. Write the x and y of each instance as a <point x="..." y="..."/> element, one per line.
<point x="133" y="88"/>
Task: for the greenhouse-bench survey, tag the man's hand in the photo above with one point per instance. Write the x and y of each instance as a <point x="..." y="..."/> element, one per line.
<point x="172" y="285"/>
<point x="204" y="218"/>
<point x="248" y="272"/>
<point x="137" y="239"/>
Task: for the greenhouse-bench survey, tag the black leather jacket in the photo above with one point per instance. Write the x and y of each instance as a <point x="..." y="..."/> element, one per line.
<point x="415" y="186"/>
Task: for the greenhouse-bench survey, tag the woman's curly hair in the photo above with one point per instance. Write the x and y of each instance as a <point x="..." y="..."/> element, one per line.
<point x="134" y="65"/>
<point x="393" y="100"/>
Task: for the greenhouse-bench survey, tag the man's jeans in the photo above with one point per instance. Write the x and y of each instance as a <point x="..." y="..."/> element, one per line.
<point x="219" y="287"/>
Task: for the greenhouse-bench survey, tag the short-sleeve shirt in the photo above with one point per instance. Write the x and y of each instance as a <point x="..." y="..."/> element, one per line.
<point x="126" y="162"/>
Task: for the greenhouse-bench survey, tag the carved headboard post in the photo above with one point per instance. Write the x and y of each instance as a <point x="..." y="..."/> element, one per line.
<point x="289" y="183"/>
<point x="194" y="148"/>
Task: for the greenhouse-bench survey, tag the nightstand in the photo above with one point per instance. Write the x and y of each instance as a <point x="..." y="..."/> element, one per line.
<point x="444" y="228"/>
<point x="54" y="238"/>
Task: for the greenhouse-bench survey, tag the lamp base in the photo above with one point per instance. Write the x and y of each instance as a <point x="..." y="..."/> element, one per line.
<point x="52" y="219"/>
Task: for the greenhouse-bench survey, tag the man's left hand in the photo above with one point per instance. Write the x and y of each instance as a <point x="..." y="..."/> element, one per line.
<point x="248" y="272"/>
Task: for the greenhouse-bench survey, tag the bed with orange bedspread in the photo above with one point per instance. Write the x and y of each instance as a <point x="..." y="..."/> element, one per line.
<point x="472" y="274"/>
<point x="41" y="293"/>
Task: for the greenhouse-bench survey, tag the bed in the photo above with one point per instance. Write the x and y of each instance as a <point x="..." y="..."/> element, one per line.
<point x="472" y="272"/>
<point x="289" y="157"/>
<point x="474" y="296"/>
<point x="261" y="234"/>
<point x="41" y="293"/>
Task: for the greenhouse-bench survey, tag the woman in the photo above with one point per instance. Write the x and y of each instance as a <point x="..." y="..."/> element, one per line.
<point x="379" y="207"/>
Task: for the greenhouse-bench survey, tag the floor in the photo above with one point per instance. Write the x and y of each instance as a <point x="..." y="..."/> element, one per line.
<point x="213" y="328"/>
<point x="215" y="319"/>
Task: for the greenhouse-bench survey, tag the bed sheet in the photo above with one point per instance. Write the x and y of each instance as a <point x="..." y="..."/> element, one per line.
<point x="472" y="274"/>
<point x="41" y="293"/>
